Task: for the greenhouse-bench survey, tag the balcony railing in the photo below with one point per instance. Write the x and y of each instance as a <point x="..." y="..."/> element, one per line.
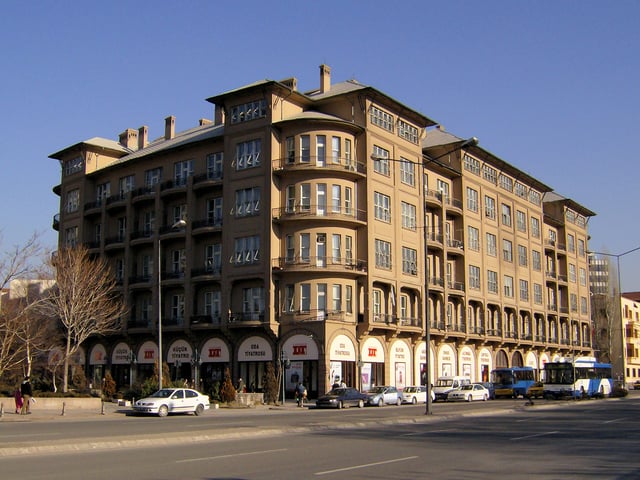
<point x="339" y="164"/>
<point x="319" y="211"/>
<point x="315" y="263"/>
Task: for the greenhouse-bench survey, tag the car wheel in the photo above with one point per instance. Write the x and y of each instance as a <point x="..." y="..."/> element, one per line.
<point x="468" y="398"/>
<point x="414" y="400"/>
<point x="199" y="409"/>
<point x="360" y="403"/>
<point x="399" y="401"/>
<point x="340" y="405"/>
<point x="163" y="411"/>
<point x="380" y="402"/>
<point x="485" y="397"/>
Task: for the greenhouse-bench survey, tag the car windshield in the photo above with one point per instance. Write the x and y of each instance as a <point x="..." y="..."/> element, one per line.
<point x="410" y="390"/>
<point x="337" y="391"/>
<point x="466" y="387"/>
<point x="164" y="393"/>
<point x="377" y="390"/>
<point x="444" y="382"/>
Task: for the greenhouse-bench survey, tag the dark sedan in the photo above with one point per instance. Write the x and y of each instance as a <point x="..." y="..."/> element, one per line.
<point x="341" y="397"/>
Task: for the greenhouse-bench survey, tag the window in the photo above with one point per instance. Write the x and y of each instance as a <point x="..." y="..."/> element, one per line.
<point x="380" y="160"/>
<point x="212" y="304"/>
<point x="152" y="177"/>
<point x="492" y="245"/>
<point x="335" y="150"/>
<point x="521" y="190"/>
<point x="571" y="243"/>
<point x="122" y="228"/>
<point x="178" y="261"/>
<point x="347" y="151"/>
<point x="348" y="249"/>
<point x="349" y="298"/>
<point x="409" y="261"/>
<point x="253" y="301"/>
<point x="213" y="258"/>
<point x="336" y="199"/>
<point x="443" y="188"/>
<point x="290" y="249"/>
<point x="507" y="250"/>
<point x="381" y="118"/>
<point x="573" y="300"/>
<point x="537" y="294"/>
<point x="103" y="191"/>
<point x="290" y="150"/>
<point x="492" y="281"/>
<point x="72" y="166"/>
<point x="305" y="247"/>
<point x="534" y="197"/>
<point x="524" y="290"/>
<point x="408" y="216"/>
<point x="408" y="132"/>
<point x="119" y="270"/>
<point x="248" y="154"/>
<point x="536" y="262"/>
<point x="407" y="172"/>
<point x="336" y="297"/>
<point x="535" y="227"/>
<point x="71" y="237"/>
<point x="581" y="250"/>
<point x="472" y="199"/>
<point x="321" y="298"/>
<point x="506" y="215"/>
<point x="508" y="286"/>
<point x="376" y="306"/>
<point x="305" y="148"/>
<point x="473" y="238"/>
<point x="382" y="207"/>
<point x="505" y="182"/>
<point x="583" y="277"/>
<point x="305" y="297"/>
<point x="214" y="212"/>
<point x="180" y="211"/>
<point x="474" y="277"/>
<point x="490" y="207"/>
<point x="73" y="201"/>
<point x="289" y="295"/>
<point x="471" y="164"/>
<point x="247" y="202"/>
<point x="572" y="273"/>
<point x="249" y="111"/>
<point x="523" y="256"/>
<point x="305" y="196"/>
<point x="521" y="221"/>
<point x="321" y="149"/>
<point x="126" y="185"/>
<point x="336" y="247"/>
<point x="348" y="202"/>
<point x="489" y="174"/>
<point x="383" y="254"/>
<point x="182" y="171"/>
<point x="147" y="266"/>
<point x="215" y="166"/>
<point x="583" y="305"/>
<point x="177" y="307"/>
<point x="247" y="250"/>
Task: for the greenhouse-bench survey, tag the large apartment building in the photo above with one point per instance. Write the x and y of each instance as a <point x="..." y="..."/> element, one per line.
<point x="324" y="228"/>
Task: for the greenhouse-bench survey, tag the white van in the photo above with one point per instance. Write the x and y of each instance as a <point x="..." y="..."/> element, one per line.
<point x="445" y="384"/>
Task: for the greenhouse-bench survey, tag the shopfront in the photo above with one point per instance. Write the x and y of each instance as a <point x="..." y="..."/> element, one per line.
<point x="253" y="355"/>
<point x="179" y="358"/>
<point x="401" y="364"/>
<point x="302" y="352"/>
<point x="97" y="365"/>
<point x="342" y="362"/>
<point x="123" y="366"/>
<point x="214" y="359"/>
<point x="372" y="355"/>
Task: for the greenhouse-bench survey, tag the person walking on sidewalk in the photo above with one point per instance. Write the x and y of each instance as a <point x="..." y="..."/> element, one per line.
<point x="27" y="393"/>
<point x="301" y="394"/>
<point x="17" y="395"/>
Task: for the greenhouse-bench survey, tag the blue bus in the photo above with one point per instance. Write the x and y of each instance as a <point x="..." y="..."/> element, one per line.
<point x="581" y="377"/>
<point x="512" y="381"/>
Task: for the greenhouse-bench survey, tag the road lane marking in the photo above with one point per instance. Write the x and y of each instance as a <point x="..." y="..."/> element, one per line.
<point x="365" y="465"/>
<point x="614" y="420"/>
<point x="231" y="455"/>
<point x="535" y="435"/>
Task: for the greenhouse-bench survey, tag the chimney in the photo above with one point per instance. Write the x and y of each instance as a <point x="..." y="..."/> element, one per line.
<point x="169" y="127"/>
<point x="325" y="78"/>
<point x="205" y="121"/>
<point x="143" y="137"/>
<point x="218" y="116"/>
<point x="129" y="139"/>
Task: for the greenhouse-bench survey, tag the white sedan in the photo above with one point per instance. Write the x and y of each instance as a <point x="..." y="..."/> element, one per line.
<point x="173" y="400"/>
<point x="416" y="394"/>
<point x="467" y="393"/>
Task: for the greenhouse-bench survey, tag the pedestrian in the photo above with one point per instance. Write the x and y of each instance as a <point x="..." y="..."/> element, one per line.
<point x="241" y="387"/>
<point x="17" y="395"/>
<point x="27" y="393"/>
<point x="301" y="394"/>
<point x="342" y="384"/>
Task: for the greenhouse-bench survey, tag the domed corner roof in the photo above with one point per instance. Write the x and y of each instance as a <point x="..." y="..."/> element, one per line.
<point x="312" y="115"/>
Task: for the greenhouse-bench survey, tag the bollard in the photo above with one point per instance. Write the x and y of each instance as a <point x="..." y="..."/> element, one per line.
<point x="1" y="410"/>
<point x="64" y="404"/>
<point x="102" y="407"/>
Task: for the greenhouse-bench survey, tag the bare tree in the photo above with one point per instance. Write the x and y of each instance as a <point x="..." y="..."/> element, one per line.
<point x="84" y="300"/>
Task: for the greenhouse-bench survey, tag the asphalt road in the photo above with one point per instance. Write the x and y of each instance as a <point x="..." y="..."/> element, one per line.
<point x="565" y="440"/>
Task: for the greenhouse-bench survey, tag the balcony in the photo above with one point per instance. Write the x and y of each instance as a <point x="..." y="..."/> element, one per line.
<point x="211" y="272"/>
<point x="56" y="222"/>
<point x="315" y="315"/>
<point x="206" y="320"/>
<point x="208" y="180"/>
<point x="339" y="166"/>
<point x="143" y="194"/>
<point x="177" y="186"/>
<point x="297" y="264"/>
<point x="305" y="212"/>
<point x="244" y="319"/>
<point x="433" y="197"/>
<point x="206" y="225"/>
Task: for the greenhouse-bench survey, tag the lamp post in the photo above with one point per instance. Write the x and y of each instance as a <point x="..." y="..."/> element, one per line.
<point x="179" y="224"/>
<point x="619" y="299"/>
<point x="285" y="363"/>
<point x="427" y="334"/>
<point x="132" y="363"/>
<point x="196" y="361"/>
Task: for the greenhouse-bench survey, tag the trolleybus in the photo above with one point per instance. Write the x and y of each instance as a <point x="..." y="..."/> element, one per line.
<point x="580" y="377"/>
<point x="512" y="381"/>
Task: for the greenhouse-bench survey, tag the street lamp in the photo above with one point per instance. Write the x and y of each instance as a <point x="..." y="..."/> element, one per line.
<point x="132" y="364"/>
<point x="285" y="363"/>
<point x="619" y="300"/>
<point x="196" y="361"/>
<point x="178" y="225"/>
<point x="427" y="334"/>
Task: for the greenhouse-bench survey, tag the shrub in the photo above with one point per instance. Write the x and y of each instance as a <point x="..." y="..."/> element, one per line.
<point x="108" y="386"/>
<point x="270" y="385"/>
<point x="227" y="391"/>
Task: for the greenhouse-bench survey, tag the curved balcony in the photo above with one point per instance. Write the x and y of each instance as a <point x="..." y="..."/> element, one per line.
<point x="141" y="237"/>
<point x="207" y="180"/>
<point x="453" y="205"/>
<point x="206" y="274"/>
<point x="339" y="167"/>
<point x="117" y="241"/>
<point x="143" y="194"/>
<point x="433" y="197"/>
<point x="174" y="187"/>
<point x="315" y="315"/>
<point x="93" y="208"/>
<point x="117" y="202"/>
<point x="247" y="319"/>
<point x="306" y="212"/>
<point x="207" y="225"/>
<point x="56" y="222"/>
<point x="319" y="264"/>
<point x="435" y="240"/>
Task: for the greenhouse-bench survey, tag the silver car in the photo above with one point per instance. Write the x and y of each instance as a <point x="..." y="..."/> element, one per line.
<point x="173" y="400"/>
<point x="380" y="396"/>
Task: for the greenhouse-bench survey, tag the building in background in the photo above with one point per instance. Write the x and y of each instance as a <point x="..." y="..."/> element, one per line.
<point x="302" y="220"/>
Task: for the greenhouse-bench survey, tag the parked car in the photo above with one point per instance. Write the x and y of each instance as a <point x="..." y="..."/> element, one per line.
<point x="173" y="400"/>
<point x="416" y="394"/>
<point x="489" y="386"/>
<point x="342" y="397"/>
<point x="379" y="396"/>
<point x="535" y="391"/>
<point x="447" y="383"/>
<point x="473" y="391"/>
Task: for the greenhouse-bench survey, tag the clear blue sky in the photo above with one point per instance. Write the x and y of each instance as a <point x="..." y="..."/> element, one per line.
<point x="550" y="86"/>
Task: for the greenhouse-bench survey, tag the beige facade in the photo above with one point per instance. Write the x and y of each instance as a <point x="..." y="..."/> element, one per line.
<point x="627" y="360"/>
<point x="306" y="220"/>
